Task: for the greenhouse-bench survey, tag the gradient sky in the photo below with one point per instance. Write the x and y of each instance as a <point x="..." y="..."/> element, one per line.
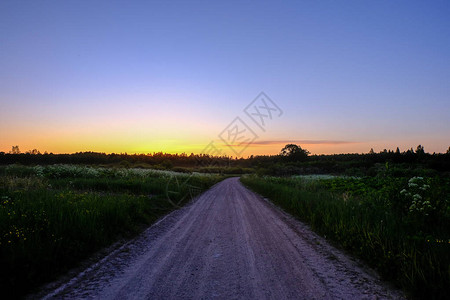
<point x="146" y="76"/>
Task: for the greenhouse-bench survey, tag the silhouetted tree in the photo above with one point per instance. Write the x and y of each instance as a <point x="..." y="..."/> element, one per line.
<point x="33" y="152"/>
<point x="420" y="150"/>
<point x="294" y="153"/>
<point x="420" y="153"/>
<point x="15" y="150"/>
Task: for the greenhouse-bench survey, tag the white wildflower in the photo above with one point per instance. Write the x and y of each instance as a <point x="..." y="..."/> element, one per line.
<point x="417" y="197"/>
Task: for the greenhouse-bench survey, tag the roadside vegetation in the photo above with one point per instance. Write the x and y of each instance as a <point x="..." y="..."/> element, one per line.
<point x="52" y="217"/>
<point x="400" y="225"/>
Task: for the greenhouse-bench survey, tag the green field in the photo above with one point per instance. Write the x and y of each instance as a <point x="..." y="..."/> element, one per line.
<point x="53" y="217"/>
<point x="398" y="225"/>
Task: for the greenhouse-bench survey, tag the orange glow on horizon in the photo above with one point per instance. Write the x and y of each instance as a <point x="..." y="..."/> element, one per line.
<point x="131" y="145"/>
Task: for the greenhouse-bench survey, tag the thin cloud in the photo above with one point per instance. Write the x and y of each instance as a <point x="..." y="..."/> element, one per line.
<point x="299" y="142"/>
<point x="305" y="142"/>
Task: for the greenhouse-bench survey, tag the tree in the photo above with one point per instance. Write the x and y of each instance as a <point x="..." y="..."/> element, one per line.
<point x="293" y="152"/>
<point x="33" y="152"/>
<point x="15" y="150"/>
<point x="420" y="150"/>
<point x="448" y="150"/>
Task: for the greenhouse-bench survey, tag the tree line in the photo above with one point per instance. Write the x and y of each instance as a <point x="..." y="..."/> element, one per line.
<point x="290" y="156"/>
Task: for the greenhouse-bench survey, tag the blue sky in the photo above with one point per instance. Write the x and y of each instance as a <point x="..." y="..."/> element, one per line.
<point x="144" y="76"/>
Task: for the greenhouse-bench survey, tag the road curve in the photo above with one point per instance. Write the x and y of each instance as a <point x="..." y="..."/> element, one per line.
<point x="228" y="244"/>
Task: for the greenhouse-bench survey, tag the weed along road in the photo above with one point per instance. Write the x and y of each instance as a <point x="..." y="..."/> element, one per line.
<point x="228" y="244"/>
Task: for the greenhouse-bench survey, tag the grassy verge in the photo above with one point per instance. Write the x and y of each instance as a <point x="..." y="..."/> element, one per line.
<point x="53" y="217"/>
<point x="375" y="219"/>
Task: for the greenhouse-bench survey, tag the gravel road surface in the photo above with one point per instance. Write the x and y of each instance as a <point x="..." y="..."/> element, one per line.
<point x="227" y="244"/>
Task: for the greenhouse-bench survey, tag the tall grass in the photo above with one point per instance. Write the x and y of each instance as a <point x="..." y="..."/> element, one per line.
<point x="409" y="251"/>
<point x="53" y="217"/>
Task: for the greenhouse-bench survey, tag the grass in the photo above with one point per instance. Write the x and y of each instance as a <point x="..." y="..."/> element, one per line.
<point x="373" y="219"/>
<point x="53" y="217"/>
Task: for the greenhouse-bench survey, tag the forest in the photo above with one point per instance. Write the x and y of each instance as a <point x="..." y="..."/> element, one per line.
<point x="292" y="160"/>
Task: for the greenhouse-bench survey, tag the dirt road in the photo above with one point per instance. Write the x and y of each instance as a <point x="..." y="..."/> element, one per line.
<point x="228" y="244"/>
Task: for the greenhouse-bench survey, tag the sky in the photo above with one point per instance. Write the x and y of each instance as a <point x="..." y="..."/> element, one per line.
<point x="182" y="76"/>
